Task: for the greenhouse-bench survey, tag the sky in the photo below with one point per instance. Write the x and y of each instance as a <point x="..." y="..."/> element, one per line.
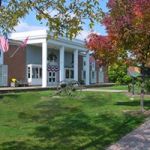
<point x="30" y="23"/>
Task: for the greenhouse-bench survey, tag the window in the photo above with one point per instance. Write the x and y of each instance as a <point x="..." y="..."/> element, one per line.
<point x="34" y="72"/>
<point x="84" y="63"/>
<point x="40" y="72"/>
<point x="92" y="65"/>
<point x="72" y="74"/>
<point x="83" y="75"/>
<point x="69" y="73"/>
<point x="93" y="74"/>
<point x="29" y="75"/>
<point x="52" y="57"/>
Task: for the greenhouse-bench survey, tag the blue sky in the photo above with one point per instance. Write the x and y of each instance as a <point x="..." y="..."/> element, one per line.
<point x="30" y="23"/>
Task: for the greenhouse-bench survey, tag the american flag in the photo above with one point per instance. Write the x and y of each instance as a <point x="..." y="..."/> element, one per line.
<point x="24" y="44"/>
<point x="4" y="45"/>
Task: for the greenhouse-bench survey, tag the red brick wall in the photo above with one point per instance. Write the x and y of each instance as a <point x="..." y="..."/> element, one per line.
<point x="16" y="64"/>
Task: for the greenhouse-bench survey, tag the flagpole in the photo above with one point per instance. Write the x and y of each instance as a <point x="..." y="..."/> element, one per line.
<point x="14" y="52"/>
<point x="23" y="45"/>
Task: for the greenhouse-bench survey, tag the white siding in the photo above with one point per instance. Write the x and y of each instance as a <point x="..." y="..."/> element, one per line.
<point x="1" y="57"/>
<point x="3" y="75"/>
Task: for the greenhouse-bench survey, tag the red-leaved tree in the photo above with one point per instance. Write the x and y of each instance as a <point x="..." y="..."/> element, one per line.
<point x="103" y="48"/>
<point x="128" y="26"/>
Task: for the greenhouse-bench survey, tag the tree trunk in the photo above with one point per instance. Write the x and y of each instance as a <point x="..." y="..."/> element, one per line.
<point x="133" y="81"/>
<point x="142" y="97"/>
<point x="142" y="88"/>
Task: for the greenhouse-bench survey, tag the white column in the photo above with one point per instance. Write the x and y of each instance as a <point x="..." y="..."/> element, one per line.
<point x="61" y="65"/>
<point x="87" y="69"/>
<point x="44" y="63"/>
<point x="76" y="64"/>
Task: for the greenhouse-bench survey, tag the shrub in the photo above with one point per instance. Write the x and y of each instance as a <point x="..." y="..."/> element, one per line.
<point x="118" y="74"/>
<point x="147" y="85"/>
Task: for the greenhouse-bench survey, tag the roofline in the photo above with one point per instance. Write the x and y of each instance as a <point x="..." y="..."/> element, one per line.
<point x="40" y="34"/>
<point x="14" y="42"/>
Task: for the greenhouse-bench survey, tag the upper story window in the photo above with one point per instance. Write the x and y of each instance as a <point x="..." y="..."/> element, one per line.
<point x="92" y="64"/>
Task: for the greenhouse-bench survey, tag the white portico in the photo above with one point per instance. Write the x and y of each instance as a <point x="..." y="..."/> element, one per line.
<point x="50" y="61"/>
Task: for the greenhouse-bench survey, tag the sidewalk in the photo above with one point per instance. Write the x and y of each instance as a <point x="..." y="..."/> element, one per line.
<point x="103" y="90"/>
<point x="21" y="89"/>
<point x="139" y="139"/>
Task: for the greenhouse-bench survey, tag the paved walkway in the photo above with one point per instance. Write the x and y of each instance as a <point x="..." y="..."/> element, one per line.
<point x="139" y="139"/>
<point x="104" y="90"/>
<point x="21" y="89"/>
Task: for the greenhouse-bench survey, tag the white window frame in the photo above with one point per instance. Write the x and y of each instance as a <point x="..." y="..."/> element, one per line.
<point x="71" y="73"/>
<point x="30" y="69"/>
<point x="32" y="80"/>
<point x="83" y="74"/>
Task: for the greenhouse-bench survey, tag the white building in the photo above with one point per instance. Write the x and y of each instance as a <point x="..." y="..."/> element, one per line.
<point x="46" y="61"/>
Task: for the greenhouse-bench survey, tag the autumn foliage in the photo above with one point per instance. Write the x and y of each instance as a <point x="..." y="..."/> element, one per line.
<point x="128" y="26"/>
<point x="103" y="48"/>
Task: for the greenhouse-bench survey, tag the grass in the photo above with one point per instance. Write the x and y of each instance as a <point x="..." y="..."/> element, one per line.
<point x="117" y="87"/>
<point x="86" y="121"/>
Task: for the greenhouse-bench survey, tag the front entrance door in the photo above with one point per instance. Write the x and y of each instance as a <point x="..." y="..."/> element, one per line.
<point x="52" y="78"/>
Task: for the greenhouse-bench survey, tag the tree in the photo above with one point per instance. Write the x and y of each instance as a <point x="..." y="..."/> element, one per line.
<point x="63" y="17"/>
<point x="128" y="23"/>
<point x="118" y="73"/>
<point x="128" y="26"/>
<point x="103" y="48"/>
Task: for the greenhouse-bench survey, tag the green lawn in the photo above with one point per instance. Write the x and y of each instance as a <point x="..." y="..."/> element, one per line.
<point x="86" y="121"/>
<point x="116" y="87"/>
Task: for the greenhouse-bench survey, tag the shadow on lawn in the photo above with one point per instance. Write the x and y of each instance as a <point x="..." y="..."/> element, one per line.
<point x="69" y="128"/>
<point x="20" y="145"/>
<point x="134" y="103"/>
<point x="12" y="96"/>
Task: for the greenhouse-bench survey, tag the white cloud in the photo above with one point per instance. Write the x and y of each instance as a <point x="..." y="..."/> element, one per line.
<point x="84" y="34"/>
<point x="23" y="26"/>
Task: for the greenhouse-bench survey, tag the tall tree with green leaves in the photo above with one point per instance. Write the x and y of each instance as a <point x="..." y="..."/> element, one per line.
<point x="63" y="17"/>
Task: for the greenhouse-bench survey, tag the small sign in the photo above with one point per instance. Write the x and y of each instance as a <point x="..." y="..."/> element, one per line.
<point x="134" y="71"/>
